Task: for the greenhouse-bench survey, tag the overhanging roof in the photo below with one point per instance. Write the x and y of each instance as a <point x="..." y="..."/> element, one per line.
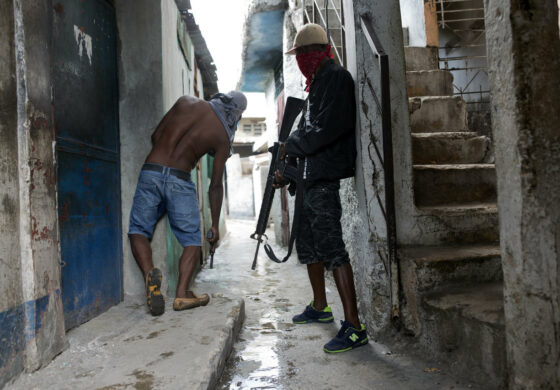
<point x="262" y="43"/>
<point x="202" y="54"/>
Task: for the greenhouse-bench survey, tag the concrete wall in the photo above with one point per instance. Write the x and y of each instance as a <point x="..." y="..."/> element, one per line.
<point x="31" y="318"/>
<point x="363" y="221"/>
<point x="141" y="107"/>
<point x="412" y="15"/>
<point x="524" y="59"/>
<point x="11" y="310"/>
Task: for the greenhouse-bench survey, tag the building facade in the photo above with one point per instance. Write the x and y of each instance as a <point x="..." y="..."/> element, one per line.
<point x="83" y="84"/>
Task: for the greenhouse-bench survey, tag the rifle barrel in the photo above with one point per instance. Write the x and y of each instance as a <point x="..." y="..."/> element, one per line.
<point x="256" y="252"/>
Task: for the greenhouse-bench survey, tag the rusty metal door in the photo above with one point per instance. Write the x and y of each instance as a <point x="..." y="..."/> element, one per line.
<point x="88" y="164"/>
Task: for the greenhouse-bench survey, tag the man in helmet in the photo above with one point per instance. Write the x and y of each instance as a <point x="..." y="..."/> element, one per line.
<point x="325" y="143"/>
<point x="190" y="129"/>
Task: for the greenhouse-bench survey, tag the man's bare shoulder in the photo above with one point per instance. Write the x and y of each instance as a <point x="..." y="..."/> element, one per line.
<point x="189" y="103"/>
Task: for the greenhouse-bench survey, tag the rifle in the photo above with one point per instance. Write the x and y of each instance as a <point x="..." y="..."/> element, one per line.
<point x="293" y="107"/>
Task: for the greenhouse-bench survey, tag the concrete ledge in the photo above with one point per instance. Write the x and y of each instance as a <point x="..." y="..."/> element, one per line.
<point x="128" y="348"/>
<point x="465" y="326"/>
<point x="449" y="184"/>
<point x="436" y="266"/>
<point x="432" y="114"/>
<point x="429" y="83"/>
<point x="421" y="58"/>
<point x="450" y="148"/>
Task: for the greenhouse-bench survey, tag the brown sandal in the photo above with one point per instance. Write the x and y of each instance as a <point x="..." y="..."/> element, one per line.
<point x="189" y="303"/>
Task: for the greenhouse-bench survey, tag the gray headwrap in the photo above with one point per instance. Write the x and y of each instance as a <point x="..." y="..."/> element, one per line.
<point x="228" y="108"/>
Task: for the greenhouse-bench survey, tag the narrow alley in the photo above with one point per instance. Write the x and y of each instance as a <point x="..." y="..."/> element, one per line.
<point x="410" y="148"/>
<point x="126" y="348"/>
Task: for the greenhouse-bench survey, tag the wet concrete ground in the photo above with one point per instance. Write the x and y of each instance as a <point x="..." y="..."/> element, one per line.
<point x="272" y="353"/>
<point x="126" y="348"/>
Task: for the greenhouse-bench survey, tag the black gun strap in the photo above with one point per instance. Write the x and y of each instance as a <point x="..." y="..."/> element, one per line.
<point x="295" y="221"/>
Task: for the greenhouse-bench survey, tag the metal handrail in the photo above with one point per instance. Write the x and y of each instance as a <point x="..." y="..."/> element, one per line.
<point x="385" y="112"/>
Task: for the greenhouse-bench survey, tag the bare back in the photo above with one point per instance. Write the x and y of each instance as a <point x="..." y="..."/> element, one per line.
<point x="188" y="131"/>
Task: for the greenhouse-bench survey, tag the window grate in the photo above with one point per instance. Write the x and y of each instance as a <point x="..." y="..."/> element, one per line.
<point x="330" y="15"/>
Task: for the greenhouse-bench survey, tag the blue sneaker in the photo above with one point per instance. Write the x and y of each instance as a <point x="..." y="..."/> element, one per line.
<point x="310" y="314"/>
<point x="347" y="338"/>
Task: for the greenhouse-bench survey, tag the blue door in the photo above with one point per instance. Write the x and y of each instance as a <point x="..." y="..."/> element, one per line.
<point x="88" y="164"/>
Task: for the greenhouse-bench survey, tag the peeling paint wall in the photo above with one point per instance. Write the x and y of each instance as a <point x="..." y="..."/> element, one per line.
<point x="524" y="59"/>
<point x="31" y="318"/>
<point x="11" y="317"/>
<point x="37" y="161"/>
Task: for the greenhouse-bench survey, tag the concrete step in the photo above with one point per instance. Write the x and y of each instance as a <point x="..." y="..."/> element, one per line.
<point x="429" y="83"/>
<point x="437" y="114"/>
<point x="465" y="325"/>
<point x="454" y="184"/>
<point x="429" y="267"/>
<point x="450" y="148"/>
<point x="468" y="223"/>
<point x="421" y="58"/>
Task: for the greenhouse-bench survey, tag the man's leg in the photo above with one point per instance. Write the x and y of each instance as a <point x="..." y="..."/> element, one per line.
<point x="187" y="264"/>
<point x="344" y="279"/>
<point x="142" y="252"/>
<point x="152" y="276"/>
<point x="316" y="274"/>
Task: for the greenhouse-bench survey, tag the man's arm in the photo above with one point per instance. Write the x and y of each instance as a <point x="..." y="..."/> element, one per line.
<point x="336" y="109"/>
<point x="216" y="191"/>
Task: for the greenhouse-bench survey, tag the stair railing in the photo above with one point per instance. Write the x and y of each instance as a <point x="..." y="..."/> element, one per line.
<point x="383" y="104"/>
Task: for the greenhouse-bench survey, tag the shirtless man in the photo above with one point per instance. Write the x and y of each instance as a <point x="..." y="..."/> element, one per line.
<point x="189" y="130"/>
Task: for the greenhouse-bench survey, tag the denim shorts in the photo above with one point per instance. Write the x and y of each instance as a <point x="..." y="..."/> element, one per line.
<point x="160" y="192"/>
<point x="319" y="236"/>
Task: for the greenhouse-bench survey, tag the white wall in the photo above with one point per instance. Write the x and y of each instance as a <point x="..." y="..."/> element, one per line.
<point x="412" y="15"/>
<point x="177" y="79"/>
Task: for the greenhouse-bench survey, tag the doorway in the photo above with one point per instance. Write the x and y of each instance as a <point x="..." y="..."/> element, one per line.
<point x="85" y="104"/>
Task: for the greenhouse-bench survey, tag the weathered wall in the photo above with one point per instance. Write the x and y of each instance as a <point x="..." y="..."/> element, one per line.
<point x="412" y="15"/>
<point x="141" y="107"/>
<point x="42" y="256"/>
<point x="367" y="246"/>
<point x="524" y="59"/>
<point x="11" y="310"/>
<point x="31" y="318"/>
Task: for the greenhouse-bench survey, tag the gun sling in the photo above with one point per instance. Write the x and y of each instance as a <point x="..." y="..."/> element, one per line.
<point x="295" y="221"/>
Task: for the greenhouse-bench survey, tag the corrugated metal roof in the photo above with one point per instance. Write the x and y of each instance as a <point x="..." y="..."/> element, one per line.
<point x="202" y="54"/>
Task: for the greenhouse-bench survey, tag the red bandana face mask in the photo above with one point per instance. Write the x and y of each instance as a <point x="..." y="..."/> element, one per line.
<point x="309" y="61"/>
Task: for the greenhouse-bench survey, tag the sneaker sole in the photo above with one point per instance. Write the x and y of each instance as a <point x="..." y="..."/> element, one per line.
<point x="360" y="344"/>
<point x="320" y="320"/>
<point x="155" y="301"/>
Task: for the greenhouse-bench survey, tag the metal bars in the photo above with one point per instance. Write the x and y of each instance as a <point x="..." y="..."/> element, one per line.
<point x="314" y="13"/>
<point x="464" y="54"/>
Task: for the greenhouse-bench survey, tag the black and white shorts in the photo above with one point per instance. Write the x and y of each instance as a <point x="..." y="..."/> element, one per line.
<point x="319" y="236"/>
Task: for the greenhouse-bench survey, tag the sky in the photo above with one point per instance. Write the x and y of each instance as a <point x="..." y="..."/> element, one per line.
<point x="221" y="23"/>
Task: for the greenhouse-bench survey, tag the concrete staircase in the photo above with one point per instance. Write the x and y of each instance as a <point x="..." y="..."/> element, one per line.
<point x="453" y="290"/>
